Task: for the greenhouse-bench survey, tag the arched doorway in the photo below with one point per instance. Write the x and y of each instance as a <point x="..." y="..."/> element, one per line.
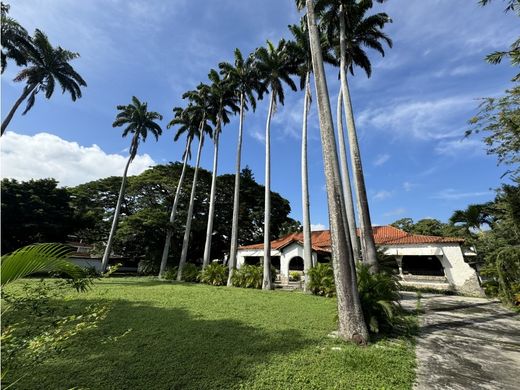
<point x="296" y="264"/>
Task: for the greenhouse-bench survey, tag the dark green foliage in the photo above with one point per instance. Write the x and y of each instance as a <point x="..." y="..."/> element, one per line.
<point x="15" y="40"/>
<point x="251" y="276"/>
<point x="322" y="280"/>
<point x="508" y="271"/>
<point x="429" y="227"/>
<point x="191" y="273"/>
<point x="215" y="274"/>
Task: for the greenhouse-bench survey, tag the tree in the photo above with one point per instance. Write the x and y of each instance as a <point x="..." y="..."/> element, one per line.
<point x="181" y="118"/>
<point x="138" y="121"/>
<point x="350" y="315"/>
<point x="243" y="76"/>
<point x="275" y="66"/>
<point x="405" y="224"/>
<point x="345" y="22"/>
<point x="473" y="217"/>
<point x="47" y="65"/>
<point x="15" y="40"/>
<point x="223" y="101"/>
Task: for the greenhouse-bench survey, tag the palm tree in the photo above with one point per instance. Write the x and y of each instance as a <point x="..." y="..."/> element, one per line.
<point x="301" y="53"/>
<point x="16" y="42"/>
<point x="223" y="101"/>
<point x="183" y="120"/>
<point x="473" y="217"/>
<point x="47" y="64"/>
<point x="199" y="115"/>
<point x="275" y="65"/>
<point x="346" y="19"/>
<point x="243" y="76"/>
<point x="351" y="322"/>
<point x="138" y="121"/>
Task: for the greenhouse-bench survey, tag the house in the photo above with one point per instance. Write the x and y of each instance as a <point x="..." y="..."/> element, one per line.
<point x="422" y="261"/>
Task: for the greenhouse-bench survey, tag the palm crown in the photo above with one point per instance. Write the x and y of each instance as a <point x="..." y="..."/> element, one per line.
<point x="15" y="40"/>
<point x="139" y="121"/>
<point x="222" y="100"/>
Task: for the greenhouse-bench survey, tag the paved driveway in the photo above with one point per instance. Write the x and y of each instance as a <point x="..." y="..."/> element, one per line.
<point x="466" y="343"/>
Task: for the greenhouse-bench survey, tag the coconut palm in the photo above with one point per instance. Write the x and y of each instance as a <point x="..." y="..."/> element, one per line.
<point x="199" y="114"/>
<point x="350" y="315"/>
<point x="139" y="122"/>
<point x="184" y="121"/>
<point x="348" y="26"/>
<point x="301" y="53"/>
<point x="223" y="101"/>
<point x="275" y="66"/>
<point x="15" y="40"/>
<point x="243" y="77"/>
<point x="473" y="217"/>
<point x="47" y="65"/>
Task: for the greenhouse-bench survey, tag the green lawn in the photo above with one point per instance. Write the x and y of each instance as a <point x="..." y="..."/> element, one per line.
<point x="159" y="335"/>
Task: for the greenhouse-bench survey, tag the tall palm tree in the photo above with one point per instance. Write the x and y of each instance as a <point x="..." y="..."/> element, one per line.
<point x="138" y="121"/>
<point x="473" y="217"/>
<point x="47" y="65"/>
<point x="275" y="66"/>
<point x="351" y="322"/>
<point x="16" y="42"/>
<point x="223" y="101"/>
<point x="346" y="19"/>
<point x="184" y="121"/>
<point x="243" y="77"/>
<point x="200" y="114"/>
<point x="301" y="53"/>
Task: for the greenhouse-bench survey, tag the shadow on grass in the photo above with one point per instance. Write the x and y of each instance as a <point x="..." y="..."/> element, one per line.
<point x="141" y="346"/>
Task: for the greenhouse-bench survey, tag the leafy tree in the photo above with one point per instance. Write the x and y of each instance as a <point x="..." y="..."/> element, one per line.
<point x="138" y="121"/>
<point x="473" y="217"/>
<point x="15" y="40"/>
<point x="275" y="66"/>
<point x="47" y="64"/>
<point x="405" y="224"/>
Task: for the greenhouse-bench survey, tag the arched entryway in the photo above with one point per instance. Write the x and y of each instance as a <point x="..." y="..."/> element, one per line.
<point x="296" y="264"/>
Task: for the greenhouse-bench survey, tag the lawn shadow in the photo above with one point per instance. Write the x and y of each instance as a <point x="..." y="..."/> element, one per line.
<point x="142" y="346"/>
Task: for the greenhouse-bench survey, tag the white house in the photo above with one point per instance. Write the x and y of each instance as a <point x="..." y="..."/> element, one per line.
<point x="422" y="261"/>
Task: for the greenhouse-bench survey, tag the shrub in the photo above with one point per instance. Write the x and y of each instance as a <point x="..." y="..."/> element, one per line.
<point x="190" y="273"/>
<point x="508" y="271"/>
<point x="322" y="280"/>
<point x="215" y="274"/>
<point x="294" y="276"/>
<point x="251" y="276"/>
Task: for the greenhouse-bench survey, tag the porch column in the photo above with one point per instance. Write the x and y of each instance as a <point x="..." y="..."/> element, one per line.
<point x="399" y="260"/>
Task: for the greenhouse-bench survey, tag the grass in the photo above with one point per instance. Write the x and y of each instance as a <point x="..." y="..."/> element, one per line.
<point x="158" y="335"/>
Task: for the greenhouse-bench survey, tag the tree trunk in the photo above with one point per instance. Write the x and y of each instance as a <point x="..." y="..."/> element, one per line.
<point x="211" y="212"/>
<point x="108" y="249"/>
<point x="347" y="189"/>
<point x="26" y="91"/>
<point x="267" y="285"/>
<point x="187" y="231"/>
<point x="307" y="239"/>
<point x="351" y="322"/>
<point x="236" y="198"/>
<point x="173" y="213"/>
<point x="367" y="237"/>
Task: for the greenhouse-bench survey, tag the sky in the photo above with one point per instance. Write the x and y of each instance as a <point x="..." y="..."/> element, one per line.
<point x="411" y="114"/>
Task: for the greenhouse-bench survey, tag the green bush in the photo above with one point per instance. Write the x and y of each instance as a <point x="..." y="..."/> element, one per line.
<point x="215" y="274"/>
<point x="294" y="276"/>
<point x="322" y="280"/>
<point x="190" y="273"/>
<point x="508" y="271"/>
<point x="251" y="276"/>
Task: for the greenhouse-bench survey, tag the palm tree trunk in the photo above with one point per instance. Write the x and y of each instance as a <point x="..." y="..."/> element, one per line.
<point x="187" y="231"/>
<point x="26" y="91"/>
<point x="347" y="189"/>
<point x="173" y="213"/>
<point x="307" y="243"/>
<point x="267" y="205"/>
<point x="108" y="249"/>
<point x="351" y="322"/>
<point x="367" y="237"/>
<point x="236" y="197"/>
<point x="211" y="212"/>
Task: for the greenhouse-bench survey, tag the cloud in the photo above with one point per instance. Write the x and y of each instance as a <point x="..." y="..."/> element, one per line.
<point x="460" y="147"/>
<point x="395" y="212"/>
<point x="45" y="155"/>
<point x="318" y="226"/>
<point x="451" y="194"/>
<point x="258" y="135"/>
<point x="407" y="186"/>
<point x="381" y="159"/>
<point x="381" y="195"/>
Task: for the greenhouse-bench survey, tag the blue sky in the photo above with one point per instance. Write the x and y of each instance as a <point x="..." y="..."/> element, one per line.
<point x="411" y="114"/>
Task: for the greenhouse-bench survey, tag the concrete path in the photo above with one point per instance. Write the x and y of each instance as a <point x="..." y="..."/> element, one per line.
<point x="466" y="343"/>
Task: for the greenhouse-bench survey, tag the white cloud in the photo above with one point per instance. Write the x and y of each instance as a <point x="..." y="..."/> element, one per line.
<point x="381" y="195"/>
<point x="381" y="159"/>
<point x="451" y="194"/>
<point x="407" y="186"/>
<point x="459" y="147"/>
<point x="318" y="226"/>
<point x="45" y="155"/>
<point x="258" y="135"/>
<point x="395" y="212"/>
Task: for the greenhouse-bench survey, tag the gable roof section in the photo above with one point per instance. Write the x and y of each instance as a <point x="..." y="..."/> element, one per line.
<point x="383" y="235"/>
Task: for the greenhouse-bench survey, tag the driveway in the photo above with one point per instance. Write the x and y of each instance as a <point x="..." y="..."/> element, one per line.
<point x="466" y="343"/>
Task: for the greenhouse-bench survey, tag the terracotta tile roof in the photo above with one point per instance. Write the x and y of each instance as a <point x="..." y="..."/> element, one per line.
<point x="383" y="235"/>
